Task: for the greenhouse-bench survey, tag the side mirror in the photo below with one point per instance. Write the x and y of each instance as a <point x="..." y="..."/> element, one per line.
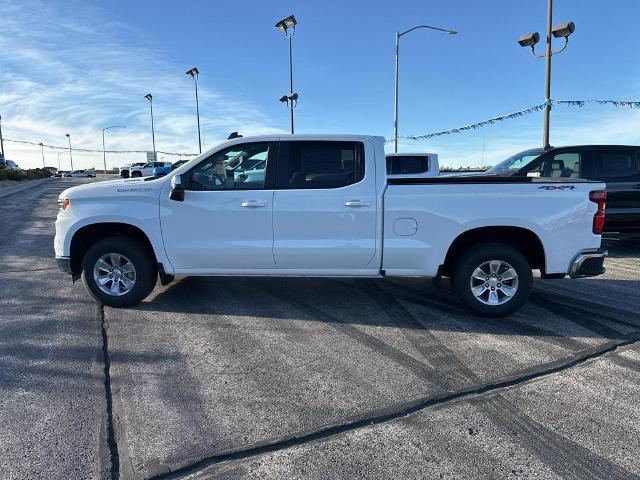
<point x="177" y="189"/>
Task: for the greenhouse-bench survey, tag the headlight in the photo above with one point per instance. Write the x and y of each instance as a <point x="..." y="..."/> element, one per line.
<point x="63" y="204"/>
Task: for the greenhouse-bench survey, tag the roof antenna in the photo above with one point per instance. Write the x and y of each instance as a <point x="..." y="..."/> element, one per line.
<point x="233" y="135"/>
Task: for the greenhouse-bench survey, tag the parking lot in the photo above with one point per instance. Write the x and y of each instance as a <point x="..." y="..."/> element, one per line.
<point x="310" y="378"/>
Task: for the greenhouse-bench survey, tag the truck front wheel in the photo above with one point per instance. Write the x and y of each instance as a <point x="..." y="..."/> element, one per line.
<point x="118" y="272"/>
<point x="492" y="279"/>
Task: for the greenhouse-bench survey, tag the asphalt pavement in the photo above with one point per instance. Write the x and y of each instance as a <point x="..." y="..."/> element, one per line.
<point x="310" y="378"/>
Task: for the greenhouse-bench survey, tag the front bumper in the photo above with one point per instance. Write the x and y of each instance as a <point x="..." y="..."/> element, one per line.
<point x="64" y="264"/>
<point x="588" y="263"/>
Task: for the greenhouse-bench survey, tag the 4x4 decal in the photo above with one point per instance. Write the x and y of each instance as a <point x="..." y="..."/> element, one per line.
<point x="557" y="187"/>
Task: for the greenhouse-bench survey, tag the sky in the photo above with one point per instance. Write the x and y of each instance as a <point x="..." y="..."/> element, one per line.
<point x="77" y="67"/>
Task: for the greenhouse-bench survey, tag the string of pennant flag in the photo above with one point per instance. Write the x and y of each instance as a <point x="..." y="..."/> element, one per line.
<point x="520" y="113"/>
<point x="426" y="136"/>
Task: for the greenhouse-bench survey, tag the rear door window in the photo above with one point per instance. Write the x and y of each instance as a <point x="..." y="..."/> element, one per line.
<point x="319" y="164"/>
<point x="616" y="163"/>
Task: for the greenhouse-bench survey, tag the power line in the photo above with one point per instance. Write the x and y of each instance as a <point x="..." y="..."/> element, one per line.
<point x="88" y="150"/>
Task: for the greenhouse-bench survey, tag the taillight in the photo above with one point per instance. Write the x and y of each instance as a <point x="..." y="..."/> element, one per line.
<point x="600" y="198"/>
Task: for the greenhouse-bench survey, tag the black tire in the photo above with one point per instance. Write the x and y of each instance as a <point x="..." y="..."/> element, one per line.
<point x="136" y="174"/>
<point x="145" y="271"/>
<point x="124" y="174"/>
<point x="477" y="256"/>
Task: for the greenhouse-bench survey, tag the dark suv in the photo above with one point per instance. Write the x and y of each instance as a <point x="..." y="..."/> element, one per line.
<point x="616" y="165"/>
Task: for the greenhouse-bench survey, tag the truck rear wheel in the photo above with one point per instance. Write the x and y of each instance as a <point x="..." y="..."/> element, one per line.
<point x="118" y="272"/>
<point x="492" y="279"/>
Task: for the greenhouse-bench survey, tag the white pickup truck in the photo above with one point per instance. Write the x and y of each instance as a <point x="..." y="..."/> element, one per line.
<point x="323" y="205"/>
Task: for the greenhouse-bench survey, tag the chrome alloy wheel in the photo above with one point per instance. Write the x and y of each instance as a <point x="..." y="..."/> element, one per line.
<point x="114" y="274"/>
<point x="494" y="282"/>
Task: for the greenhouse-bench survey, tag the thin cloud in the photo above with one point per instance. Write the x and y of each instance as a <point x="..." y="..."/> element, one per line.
<point x="75" y="75"/>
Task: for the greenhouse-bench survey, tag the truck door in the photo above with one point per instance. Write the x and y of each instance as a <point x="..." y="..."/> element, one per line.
<point x="324" y="214"/>
<point x="620" y="170"/>
<point x="225" y="220"/>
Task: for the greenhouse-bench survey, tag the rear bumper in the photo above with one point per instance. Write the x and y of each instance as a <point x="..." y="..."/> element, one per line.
<point x="64" y="264"/>
<point x="588" y="263"/>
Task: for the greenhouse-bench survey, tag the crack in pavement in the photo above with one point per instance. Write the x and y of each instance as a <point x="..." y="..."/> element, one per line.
<point x="111" y="437"/>
<point x="379" y="416"/>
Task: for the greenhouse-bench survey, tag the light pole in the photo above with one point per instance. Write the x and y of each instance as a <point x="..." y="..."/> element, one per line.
<point x="288" y="27"/>
<point x="149" y="97"/>
<point x="70" y="156"/>
<point x="194" y="73"/>
<point x="104" y="151"/>
<point x="42" y="150"/>
<point x="530" y="40"/>
<point x="395" y="96"/>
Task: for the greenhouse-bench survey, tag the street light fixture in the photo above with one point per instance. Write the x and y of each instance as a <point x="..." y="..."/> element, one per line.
<point x="395" y="97"/>
<point x="70" y="156"/>
<point x="104" y="152"/>
<point x="149" y="97"/>
<point x="194" y="73"/>
<point x="530" y="40"/>
<point x="288" y="27"/>
<point x="42" y="149"/>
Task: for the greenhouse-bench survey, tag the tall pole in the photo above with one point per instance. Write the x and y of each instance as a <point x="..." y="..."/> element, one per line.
<point x="59" y="153"/>
<point x="291" y="76"/>
<point x="395" y="97"/>
<point x="153" y="132"/>
<point x="395" y="93"/>
<point x="104" y="151"/>
<point x="195" y="79"/>
<point x="547" y="79"/>
<point x="1" y="140"/>
<point x="70" y="155"/>
<point x="149" y="97"/>
<point x="42" y="149"/>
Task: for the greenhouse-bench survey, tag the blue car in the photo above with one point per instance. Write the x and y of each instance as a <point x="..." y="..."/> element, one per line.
<point x="162" y="171"/>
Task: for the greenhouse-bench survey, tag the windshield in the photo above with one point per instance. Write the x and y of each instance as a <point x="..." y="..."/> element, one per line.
<point x="515" y="163"/>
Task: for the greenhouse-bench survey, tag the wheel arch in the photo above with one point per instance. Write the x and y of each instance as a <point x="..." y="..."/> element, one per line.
<point x="88" y="235"/>
<point x="522" y="239"/>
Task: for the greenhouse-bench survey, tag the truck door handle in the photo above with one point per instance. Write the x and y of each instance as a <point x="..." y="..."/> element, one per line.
<point x="356" y="203"/>
<point x="254" y="204"/>
<point x="637" y="187"/>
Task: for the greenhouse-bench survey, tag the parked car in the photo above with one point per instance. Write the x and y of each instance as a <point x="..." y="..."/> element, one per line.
<point x="618" y="166"/>
<point x="124" y="170"/>
<point x="324" y="206"/>
<point x="146" y="170"/>
<point x="11" y="165"/>
<point x="59" y="174"/>
<point x="161" y="171"/>
<point x="82" y="173"/>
